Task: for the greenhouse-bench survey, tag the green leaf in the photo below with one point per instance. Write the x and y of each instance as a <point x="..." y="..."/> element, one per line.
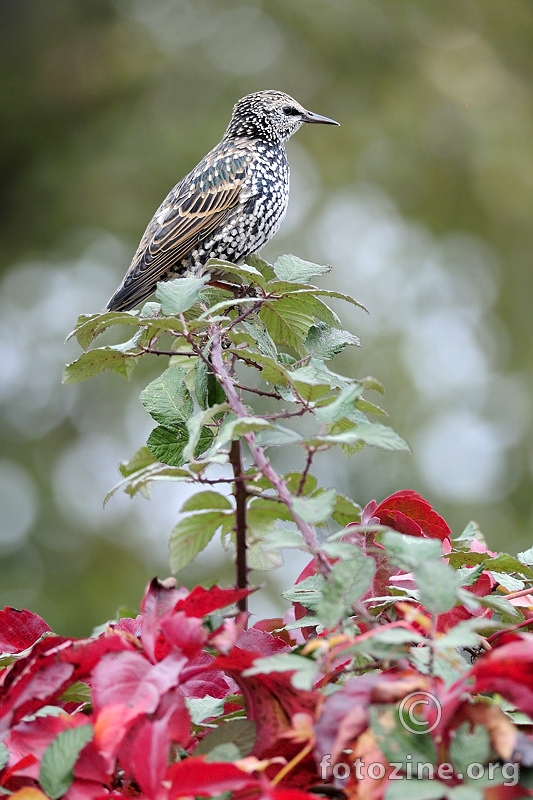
<point x="178" y="295"/>
<point x="286" y="322"/>
<point x="207" y="499"/>
<point x="507" y="611"/>
<point x="342" y="405"/>
<point x="410" y="552"/>
<point x="278" y="437"/>
<point x="168" y="444"/>
<point x="325" y="342"/>
<point x="346" y="582"/>
<point x="235" y="428"/>
<point x="469" y="747"/>
<point x="371" y="433"/>
<point x="292" y="268"/>
<point x="196" y="426"/>
<point x="88" y="327"/>
<point x="260" y="336"/>
<point x="202" y="708"/>
<point x="167" y="399"/>
<point x="304" y="669"/>
<point x="526" y="557"/>
<point x="266" y="269"/>
<point x="307" y="592"/>
<point x="345" y="511"/>
<point x="95" y="361"/>
<point x="237" y="732"/>
<point x="314" y="510"/>
<point x="249" y="273"/>
<point x="77" y="692"/>
<point x="191" y="535"/>
<point x="4" y="755"/>
<point x="416" y="790"/>
<point x="140" y="480"/>
<point x="57" y="764"/>
<point x="399" y="738"/>
<point x="437" y="583"/>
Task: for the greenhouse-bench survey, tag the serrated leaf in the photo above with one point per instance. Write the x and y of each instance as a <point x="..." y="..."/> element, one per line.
<point x="202" y="708"/>
<point x="346" y="582"/>
<point x="263" y="266"/>
<point x="261" y="337"/>
<point x="507" y="611"/>
<point x="239" y="732"/>
<point x="141" y="459"/>
<point x="140" y="480"/>
<point x="96" y="361"/>
<point x="88" y="327"/>
<point x="246" y="271"/>
<point x="437" y="583"/>
<point x="191" y="535"/>
<point x="235" y="428"/>
<point x="314" y="510"/>
<point x="178" y="295"/>
<point x="345" y="511"/>
<point x="168" y="444"/>
<point x="197" y="423"/>
<point x="278" y="437"/>
<point x="325" y="342"/>
<point x="526" y="557"/>
<point x="341" y="406"/>
<point x="57" y="764"/>
<point x="292" y="268"/>
<point x="507" y="581"/>
<point x="207" y="499"/>
<point x="167" y="399"/>
<point x="286" y="322"/>
<point x="410" y="552"/>
<point x="469" y="747"/>
<point x="294" y="479"/>
<point x="370" y="433"/>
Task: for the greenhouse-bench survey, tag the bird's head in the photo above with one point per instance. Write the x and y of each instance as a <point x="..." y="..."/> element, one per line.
<point x="271" y="116"/>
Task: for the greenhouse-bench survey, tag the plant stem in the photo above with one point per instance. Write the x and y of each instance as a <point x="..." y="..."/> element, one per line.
<point x="258" y="453"/>
<point x="240" y="494"/>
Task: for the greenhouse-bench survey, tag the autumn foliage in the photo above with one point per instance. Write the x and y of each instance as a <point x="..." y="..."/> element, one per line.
<point x="404" y="663"/>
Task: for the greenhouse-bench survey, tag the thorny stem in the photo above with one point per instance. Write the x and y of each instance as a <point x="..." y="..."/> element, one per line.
<point x="258" y="454"/>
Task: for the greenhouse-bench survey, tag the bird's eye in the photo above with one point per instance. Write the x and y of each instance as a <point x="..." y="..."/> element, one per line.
<point x="290" y="111"/>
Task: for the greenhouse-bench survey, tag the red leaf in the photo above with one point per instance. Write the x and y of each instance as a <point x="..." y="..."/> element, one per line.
<point x="145" y="751"/>
<point x="159" y="602"/>
<point x="408" y="512"/>
<point x="201" y="602"/>
<point x="54" y="663"/>
<point x="20" y="629"/>
<point x="194" y="776"/>
<point x="508" y="670"/>
<point x="125" y="686"/>
<point x="271" y="700"/>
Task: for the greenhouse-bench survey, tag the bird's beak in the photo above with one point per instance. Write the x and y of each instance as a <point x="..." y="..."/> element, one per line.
<point x="310" y="116"/>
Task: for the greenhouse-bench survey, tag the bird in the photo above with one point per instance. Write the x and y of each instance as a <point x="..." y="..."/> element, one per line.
<point x="229" y="206"/>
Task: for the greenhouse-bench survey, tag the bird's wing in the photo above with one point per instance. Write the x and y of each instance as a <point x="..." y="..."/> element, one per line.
<point x="196" y="207"/>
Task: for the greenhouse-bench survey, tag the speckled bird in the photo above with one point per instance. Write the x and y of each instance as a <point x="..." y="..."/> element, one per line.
<point x="229" y="206"/>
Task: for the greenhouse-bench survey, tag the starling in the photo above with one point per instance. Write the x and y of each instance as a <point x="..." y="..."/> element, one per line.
<point x="229" y="206"/>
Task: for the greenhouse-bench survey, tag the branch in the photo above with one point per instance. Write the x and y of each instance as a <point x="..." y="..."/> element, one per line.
<point x="258" y="453"/>
<point x="240" y="494"/>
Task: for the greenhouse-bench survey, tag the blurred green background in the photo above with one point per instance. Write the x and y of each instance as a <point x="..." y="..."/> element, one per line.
<point x="421" y="201"/>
